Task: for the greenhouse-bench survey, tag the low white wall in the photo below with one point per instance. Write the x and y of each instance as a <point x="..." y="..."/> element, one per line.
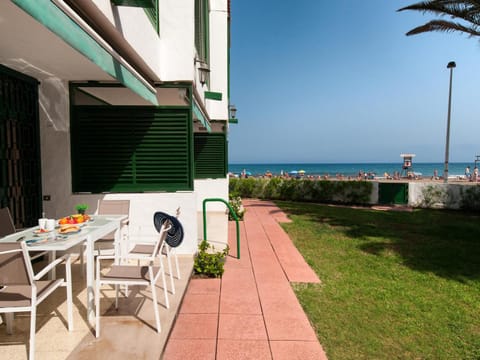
<point x="217" y="217"/>
<point x="374" y="194"/>
<point x="436" y="195"/>
<point x="211" y="188"/>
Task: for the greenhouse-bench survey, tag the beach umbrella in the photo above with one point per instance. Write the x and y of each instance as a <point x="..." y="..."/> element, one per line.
<point x="294" y="172"/>
<point x="301" y="171"/>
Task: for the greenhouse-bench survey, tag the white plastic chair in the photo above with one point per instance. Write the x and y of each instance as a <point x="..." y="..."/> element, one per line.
<point x="110" y="207"/>
<point x="23" y="290"/>
<point x="128" y="275"/>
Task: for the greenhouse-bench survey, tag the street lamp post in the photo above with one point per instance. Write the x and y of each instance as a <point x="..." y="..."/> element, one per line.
<point x="451" y="65"/>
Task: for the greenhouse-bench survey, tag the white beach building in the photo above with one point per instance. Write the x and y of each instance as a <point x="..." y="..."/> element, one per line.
<point x="115" y="99"/>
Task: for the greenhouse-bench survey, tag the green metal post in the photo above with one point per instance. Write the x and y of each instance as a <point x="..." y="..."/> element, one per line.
<point x="204" y="207"/>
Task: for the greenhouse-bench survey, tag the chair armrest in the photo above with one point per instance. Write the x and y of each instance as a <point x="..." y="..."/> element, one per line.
<point x="50" y="266"/>
<point x="106" y="257"/>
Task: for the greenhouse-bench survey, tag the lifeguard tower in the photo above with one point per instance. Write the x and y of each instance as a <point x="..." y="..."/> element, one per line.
<point x="407" y="167"/>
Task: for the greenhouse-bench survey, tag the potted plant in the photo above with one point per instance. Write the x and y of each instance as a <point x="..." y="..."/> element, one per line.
<point x="81" y="208"/>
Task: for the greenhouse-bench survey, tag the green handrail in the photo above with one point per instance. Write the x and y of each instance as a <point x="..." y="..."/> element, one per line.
<point x="204" y="206"/>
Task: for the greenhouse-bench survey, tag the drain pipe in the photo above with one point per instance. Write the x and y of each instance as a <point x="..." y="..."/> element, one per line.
<point x="234" y="215"/>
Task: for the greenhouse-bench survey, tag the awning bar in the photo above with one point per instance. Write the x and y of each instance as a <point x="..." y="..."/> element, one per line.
<point x="67" y="10"/>
<point x="64" y="22"/>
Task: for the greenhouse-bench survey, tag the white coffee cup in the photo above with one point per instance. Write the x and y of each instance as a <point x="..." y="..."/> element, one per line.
<point x="50" y="225"/>
<point x="42" y="223"/>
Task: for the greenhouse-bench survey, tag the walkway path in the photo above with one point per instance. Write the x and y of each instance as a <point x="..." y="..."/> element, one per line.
<point x="252" y="312"/>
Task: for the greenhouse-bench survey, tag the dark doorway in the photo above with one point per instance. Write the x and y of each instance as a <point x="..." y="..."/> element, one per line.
<point x="20" y="169"/>
<point x="393" y="193"/>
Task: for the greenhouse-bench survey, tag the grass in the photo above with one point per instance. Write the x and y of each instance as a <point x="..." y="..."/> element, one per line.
<point x="395" y="285"/>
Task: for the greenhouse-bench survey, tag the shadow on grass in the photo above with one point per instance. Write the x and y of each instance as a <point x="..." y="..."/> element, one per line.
<point x="446" y="243"/>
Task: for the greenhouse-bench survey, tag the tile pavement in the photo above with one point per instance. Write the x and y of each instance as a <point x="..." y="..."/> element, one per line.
<point x="252" y="312"/>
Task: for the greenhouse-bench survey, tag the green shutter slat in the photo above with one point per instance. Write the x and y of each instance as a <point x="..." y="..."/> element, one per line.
<point x="210" y="153"/>
<point x="120" y="149"/>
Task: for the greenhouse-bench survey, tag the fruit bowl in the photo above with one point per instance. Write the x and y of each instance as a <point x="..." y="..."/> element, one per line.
<point x="74" y="219"/>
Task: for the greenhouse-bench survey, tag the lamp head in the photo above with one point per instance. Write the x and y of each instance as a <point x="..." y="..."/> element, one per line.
<point x="203" y="70"/>
<point x="233" y="111"/>
<point x="451" y="65"/>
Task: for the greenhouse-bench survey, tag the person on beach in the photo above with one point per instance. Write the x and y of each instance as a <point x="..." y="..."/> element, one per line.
<point x="475" y="174"/>
<point x="435" y="174"/>
<point x="467" y="173"/>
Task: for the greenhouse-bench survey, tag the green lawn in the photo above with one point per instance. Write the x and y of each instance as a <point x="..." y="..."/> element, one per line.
<point x="395" y="285"/>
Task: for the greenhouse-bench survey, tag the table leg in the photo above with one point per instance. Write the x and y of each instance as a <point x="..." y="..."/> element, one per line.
<point x="90" y="279"/>
<point x="52" y="275"/>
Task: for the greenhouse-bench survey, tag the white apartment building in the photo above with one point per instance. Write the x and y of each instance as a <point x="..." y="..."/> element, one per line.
<point x="115" y="99"/>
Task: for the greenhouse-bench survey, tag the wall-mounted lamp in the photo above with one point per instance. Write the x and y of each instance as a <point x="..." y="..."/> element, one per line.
<point x="233" y="111"/>
<point x="203" y="70"/>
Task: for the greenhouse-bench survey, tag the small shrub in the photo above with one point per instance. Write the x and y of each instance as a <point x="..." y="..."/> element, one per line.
<point x="208" y="262"/>
<point x="434" y="196"/>
<point x="235" y="202"/>
<point x="323" y="191"/>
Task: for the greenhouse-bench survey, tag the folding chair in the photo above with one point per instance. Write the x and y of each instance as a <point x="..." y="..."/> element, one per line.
<point x="110" y="207"/>
<point x="22" y="290"/>
<point x="127" y="274"/>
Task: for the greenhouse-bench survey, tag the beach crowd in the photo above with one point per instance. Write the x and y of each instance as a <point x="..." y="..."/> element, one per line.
<point x="471" y="176"/>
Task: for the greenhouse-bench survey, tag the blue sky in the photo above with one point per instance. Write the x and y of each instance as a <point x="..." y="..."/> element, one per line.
<point x="338" y="81"/>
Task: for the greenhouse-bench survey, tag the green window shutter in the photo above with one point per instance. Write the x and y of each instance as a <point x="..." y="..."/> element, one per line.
<point x="210" y="154"/>
<point x="135" y="3"/>
<point x="130" y="149"/>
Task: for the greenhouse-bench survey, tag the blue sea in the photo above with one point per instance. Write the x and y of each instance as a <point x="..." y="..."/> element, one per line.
<point x="350" y="169"/>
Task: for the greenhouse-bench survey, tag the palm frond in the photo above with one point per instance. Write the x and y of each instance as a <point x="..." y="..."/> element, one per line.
<point x="444" y="26"/>
<point x="468" y="10"/>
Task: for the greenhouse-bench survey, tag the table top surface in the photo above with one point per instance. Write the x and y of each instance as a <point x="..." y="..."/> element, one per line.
<point x="96" y="228"/>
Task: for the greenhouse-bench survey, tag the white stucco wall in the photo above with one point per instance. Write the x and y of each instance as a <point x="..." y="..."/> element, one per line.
<point x="218" y="58"/>
<point x="177" y="34"/>
<point x="135" y="26"/>
<point x="437" y="195"/>
<point x="211" y="188"/>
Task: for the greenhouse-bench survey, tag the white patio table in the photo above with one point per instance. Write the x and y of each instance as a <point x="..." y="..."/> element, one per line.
<point x="92" y="231"/>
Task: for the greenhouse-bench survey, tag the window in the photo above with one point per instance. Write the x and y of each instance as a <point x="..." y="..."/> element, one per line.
<point x="131" y="148"/>
<point x="210" y="155"/>
<point x="201" y="29"/>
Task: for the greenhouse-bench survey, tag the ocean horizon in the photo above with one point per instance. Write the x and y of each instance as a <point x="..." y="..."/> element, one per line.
<point x="348" y="169"/>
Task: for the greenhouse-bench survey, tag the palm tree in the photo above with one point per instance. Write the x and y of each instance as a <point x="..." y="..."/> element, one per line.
<point x="468" y="12"/>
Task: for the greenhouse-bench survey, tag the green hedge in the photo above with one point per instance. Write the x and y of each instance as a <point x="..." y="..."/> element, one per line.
<point x="322" y="191"/>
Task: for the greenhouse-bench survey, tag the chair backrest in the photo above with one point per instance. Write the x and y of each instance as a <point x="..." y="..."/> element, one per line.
<point x="113" y="207"/>
<point x="7" y="226"/>
<point x="161" y="238"/>
<point x="15" y="265"/>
